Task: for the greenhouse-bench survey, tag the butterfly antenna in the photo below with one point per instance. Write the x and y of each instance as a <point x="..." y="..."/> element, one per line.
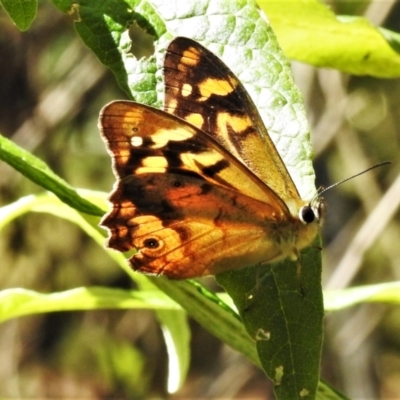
<point x="322" y="191"/>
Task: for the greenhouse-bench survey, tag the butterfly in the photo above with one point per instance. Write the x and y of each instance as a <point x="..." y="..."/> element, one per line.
<point x="201" y="188"/>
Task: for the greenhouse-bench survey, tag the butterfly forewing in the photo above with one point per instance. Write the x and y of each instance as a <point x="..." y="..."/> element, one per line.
<point x="142" y="139"/>
<point x="202" y="90"/>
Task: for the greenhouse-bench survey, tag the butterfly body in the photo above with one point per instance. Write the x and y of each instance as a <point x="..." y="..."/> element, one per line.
<point x="201" y="188"/>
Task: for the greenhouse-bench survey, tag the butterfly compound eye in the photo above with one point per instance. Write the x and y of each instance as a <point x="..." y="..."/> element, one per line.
<point x="307" y="215"/>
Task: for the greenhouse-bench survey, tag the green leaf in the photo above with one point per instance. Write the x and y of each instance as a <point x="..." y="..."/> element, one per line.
<point x="210" y="312"/>
<point x="37" y="171"/>
<point x="309" y="31"/>
<point x="282" y="310"/>
<point x="21" y="12"/>
<point x="388" y="293"/>
<point x="19" y="302"/>
<point x="393" y="38"/>
<point x="176" y="332"/>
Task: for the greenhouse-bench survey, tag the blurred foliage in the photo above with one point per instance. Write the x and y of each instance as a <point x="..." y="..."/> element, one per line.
<point x="52" y="90"/>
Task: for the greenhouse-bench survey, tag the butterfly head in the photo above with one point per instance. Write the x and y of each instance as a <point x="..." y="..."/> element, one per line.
<point x="312" y="212"/>
<point x="306" y="221"/>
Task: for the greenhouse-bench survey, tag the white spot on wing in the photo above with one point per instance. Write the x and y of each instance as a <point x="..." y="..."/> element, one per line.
<point x="136" y="141"/>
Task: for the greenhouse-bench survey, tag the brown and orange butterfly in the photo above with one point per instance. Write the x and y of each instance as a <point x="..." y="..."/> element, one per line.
<point x="201" y="188"/>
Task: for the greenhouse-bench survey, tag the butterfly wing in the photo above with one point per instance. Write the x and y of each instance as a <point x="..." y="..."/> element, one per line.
<point x="201" y="89"/>
<point x="187" y="205"/>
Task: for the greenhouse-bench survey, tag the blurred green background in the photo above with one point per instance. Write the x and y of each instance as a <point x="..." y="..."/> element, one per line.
<point x="52" y="89"/>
